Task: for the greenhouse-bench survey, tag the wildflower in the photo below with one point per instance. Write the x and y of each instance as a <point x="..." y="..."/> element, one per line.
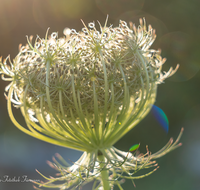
<point x="85" y="91"/>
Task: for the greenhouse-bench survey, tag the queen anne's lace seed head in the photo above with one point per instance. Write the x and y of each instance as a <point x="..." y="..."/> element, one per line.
<point x="86" y="90"/>
<point x="88" y="78"/>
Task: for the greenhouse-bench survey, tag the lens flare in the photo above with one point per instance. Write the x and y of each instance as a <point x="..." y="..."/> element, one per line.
<point x="134" y="147"/>
<point x="114" y="8"/>
<point x="161" y="117"/>
<point x="180" y="48"/>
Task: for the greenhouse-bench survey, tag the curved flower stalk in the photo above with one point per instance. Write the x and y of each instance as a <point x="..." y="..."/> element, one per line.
<point x="85" y="91"/>
<point x="120" y="165"/>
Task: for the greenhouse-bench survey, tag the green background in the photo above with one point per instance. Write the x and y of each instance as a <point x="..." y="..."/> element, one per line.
<point x="177" y="26"/>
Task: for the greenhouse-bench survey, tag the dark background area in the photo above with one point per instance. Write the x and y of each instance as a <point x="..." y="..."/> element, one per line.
<point x="177" y="26"/>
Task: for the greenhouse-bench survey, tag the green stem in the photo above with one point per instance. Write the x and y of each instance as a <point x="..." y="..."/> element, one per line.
<point x="104" y="173"/>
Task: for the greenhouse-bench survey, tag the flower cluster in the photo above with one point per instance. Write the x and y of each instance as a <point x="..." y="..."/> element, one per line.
<point x="85" y="91"/>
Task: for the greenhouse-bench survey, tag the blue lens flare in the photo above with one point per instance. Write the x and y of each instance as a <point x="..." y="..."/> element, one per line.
<point x="161" y="117"/>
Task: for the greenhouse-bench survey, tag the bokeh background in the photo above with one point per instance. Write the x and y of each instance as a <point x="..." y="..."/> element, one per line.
<point x="177" y="26"/>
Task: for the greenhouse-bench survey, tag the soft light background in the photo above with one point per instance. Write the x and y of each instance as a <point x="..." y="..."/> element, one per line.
<point x="177" y="25"/>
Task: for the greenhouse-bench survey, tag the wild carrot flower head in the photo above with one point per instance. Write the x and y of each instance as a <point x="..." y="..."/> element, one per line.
<point x="87" y="90"/>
